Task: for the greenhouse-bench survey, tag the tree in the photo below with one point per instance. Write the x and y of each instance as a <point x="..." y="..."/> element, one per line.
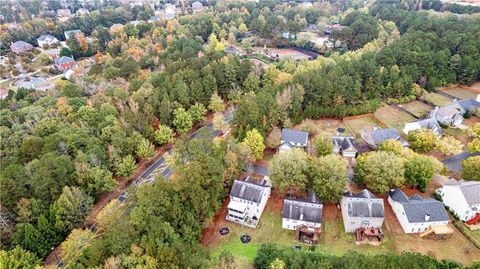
<point x="254" y="141"/>
<point x="76" y="241"/>
<point x="474" y="146"/>
<point x="471" y="168"/>
<point x="182" y="120"/>
<point x="393" y="146"/>
<point x="197" y="112"/>
<point x="474" y="130"/>
<point x="219" y="122"/>
<point x="110" y="214"/>
<point x="94" y="180"/>
<point x="419" y="171"/>
<point x="277" y="264"/>
<point x="216" y="103"/>
<point x="289" y="171"/>
<point x="18" y="258"/>
<point x="71" y="208"/>
<point x="126" y="167"/>
<point x="448" y="145"/>
<point x="329" y="176"/>
<point x="422" y="139"/>
<point x="145" y="149"/>
<point x="380" y="171"/>
<point x="274" y="138"/>
<point x="163" y="135"/>
<point x="225" y="260"/>
<point x="323" y="145"/>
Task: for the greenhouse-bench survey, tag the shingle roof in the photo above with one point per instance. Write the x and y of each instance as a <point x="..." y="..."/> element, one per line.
<point x="468" y="103"/>
<point x="367" y="206"/>
<point x="380" y="135"/>
<point x="344" y="142"/>
<point x="64" y="59"/>
<point x="46" y="37"/>
<point x="248" y="190"/>
<point x="469" y="189"/>
<point x="308" y="209"/>
<point x="416" y="207"/>
<point x="294" y="136"/>
<point x="20" y="44"/>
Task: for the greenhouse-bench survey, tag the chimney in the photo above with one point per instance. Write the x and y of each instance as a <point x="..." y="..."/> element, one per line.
<point x="427" y="217"/>
<point x="301" y="214"/>
<point x="478" y="98"/>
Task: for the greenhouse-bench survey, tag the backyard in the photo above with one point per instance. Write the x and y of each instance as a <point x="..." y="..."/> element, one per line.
<point x="459" y="92"/>
<point x="417" y="108"/>
<point x="356" y="124"/>
<point x="437" y="99"/>
<point x="393" y="117"/>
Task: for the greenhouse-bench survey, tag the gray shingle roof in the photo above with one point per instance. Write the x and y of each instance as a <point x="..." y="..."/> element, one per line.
<point x="344" y="143"/>
<point x="248" y="190"/>
<point x="367" y="206"/>
<point x="20" y="44"/>
<point x="380" y="135"/>
<point x="468" y="104"/>
<point x="64" y="59"/>
<point x="469" y="189"/>
<point x="308" y="209"/>
<point x="46" y="37"/>
<point x="294" y="136"/>
<point x="416" y="207"/>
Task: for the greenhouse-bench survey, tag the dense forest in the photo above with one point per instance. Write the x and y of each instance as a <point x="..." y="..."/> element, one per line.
<point x="63" y="150"/>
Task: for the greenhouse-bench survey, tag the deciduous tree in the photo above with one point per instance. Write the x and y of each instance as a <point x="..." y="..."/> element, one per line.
<point x="71" y="208"/>
<point x="380" y="170"/>
<point x="163" y="135"/>
<point x="182" y="120"/>
<point x="254" y="141"/>
<point x="422" y="140"/>
<point x="329" y="176"/>
<point x="471" y="168"/>
<point x="448" y="145"/>
<point x="419" y="171"/>
<point x="289" y="171"/>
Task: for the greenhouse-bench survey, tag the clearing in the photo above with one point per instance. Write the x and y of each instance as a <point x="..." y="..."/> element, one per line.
<point x="437" y="99"/>
<point x="358" y="123"/>
<point x="393" y="117"/>
<point x="460" y="92"/>
<point x="417" y="108"/>
<point x="326" y="126"/>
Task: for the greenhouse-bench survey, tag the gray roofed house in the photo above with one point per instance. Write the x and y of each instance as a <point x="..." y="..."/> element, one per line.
<point x="376" y="137"/>
<point x="452" y="113"/>
<point x="429" y="123"/>
<point x="307" y="211"/>
<point x="20" y="47"/>
<point x="362" y="210"/>
<point x="46" y="40"/>
<point x="293" y="139"/>
<point x="345" y="145"/>
<point x="34" y="83"/>
<point x="197" y="7"/>
<point x="462" y="197"/>
<point x="71" y="33"/>
<point x="417" y="214"/>
<point x="247" y="201"/>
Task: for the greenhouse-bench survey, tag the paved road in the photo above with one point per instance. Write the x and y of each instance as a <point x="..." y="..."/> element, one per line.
<point x="454" y="163"/>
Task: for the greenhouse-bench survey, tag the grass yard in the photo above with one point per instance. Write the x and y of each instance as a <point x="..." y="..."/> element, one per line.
<point x="322" y="126"/>
<point x="393" y="117"/>
<point x="417" y="108"/>
<point x="459" y="92"/>
<point x="473" y="235"/>
<point x="358" y="124"/>
<point x="437" y="99"/>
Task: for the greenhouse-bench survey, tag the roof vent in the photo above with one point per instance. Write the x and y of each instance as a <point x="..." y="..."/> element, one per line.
<point x="427" y="217"/>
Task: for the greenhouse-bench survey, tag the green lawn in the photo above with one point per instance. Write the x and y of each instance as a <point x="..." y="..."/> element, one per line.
<point x="437" y="99"/>
<point x="359" y="124"/>
<point x="268" y="230"/>
<point x="418" y="108"/>
<point x="393" y="117"/>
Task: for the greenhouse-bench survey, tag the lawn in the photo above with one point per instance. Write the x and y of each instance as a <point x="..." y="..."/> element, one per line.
<point x="393" y="117"/>
<point x="437" y="99"/>
<point x="417" y="108"/>
<point x="358" y="124"/>
<point x="473" y="235"/>
<point x="322" y="127"/>
<point x="459" y="92"/>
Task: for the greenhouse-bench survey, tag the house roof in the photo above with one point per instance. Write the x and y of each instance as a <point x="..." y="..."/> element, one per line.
<point x="46" y="38"/>
<point x="294" y="136"/>
<point x="197" y="5"/>
<point x="380" y="135"/>
<point x="447" y="112"/>
<point x="364" y="204"/>
<point x="70" y="32"/>
<point x="248" y="190"/>
<point x="64" y="59"/>
<point x="469" y="189"/>
<point x="344" y="143"/>
<point x="20" y="44"/>
<point x="308" y="208"/>
<point x="416" y="207"/>
<point x="467" y="104"/>
<point x="429" y="123"/>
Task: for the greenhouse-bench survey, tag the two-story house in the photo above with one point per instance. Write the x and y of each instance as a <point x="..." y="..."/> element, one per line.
<point x="345" y="145"/>
<point x="303" y="215"/>
<point x="247" y="201"/>
<point x="293" y="139"/>
<point x="361" y="210"/>
<point x="417" y="214"/>
<point x="462" y="197"/>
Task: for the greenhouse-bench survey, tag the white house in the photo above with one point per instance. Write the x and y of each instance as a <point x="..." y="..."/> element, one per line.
<point x="429" y="123"/>
<point x="82" y="12"/>
<point x="293" y="139"/>
<point x="361" y="210"/>
<point x="417" y="214"/>
<point x="247" y="201"/>
<point x="46" y="40"/>
<point x="447" y="115"/>
<point x="462" y="197"/>
<point x="303" y="211"/>
<point x="197" y="7"/>
<point x="345" y="145"/>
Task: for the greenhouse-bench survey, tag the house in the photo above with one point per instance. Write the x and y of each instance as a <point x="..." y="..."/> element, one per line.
<point x="54" y="53"/>
<point x="197" y="7"/>
<point x="345" y="145"/>
<point x="417" y="214"/>
<point x="169" y="11"/>
<point x="430" y="124"/>
<point x="447" y="115"/>
<point x="34" y="83"/>
<point x="304" y="216"/>
<point x="82" y="12"/>
<point x="376" y="137"/>
<point x="332" y="27"/>
<point x="64" y="14"/>
<point x="63" y="63"/>
<point x="46" y="40"/>
<point x="3" y="93"/>
<point x="467" y="105"/>
<point x="361" y="210"/>
<point x="247" y="201"/>
<point x="71" y="33"/>
<point x="20" y="47"/>
<point x="293" y="139"/>
<point x="462" y="197"/>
